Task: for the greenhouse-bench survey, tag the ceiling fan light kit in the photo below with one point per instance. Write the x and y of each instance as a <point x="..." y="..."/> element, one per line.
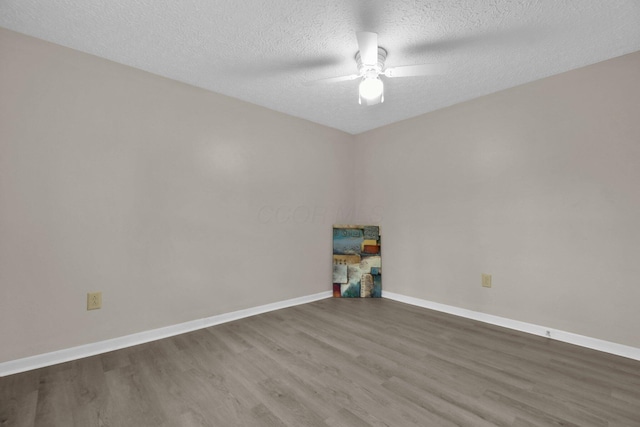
<point x="371" y="88"/>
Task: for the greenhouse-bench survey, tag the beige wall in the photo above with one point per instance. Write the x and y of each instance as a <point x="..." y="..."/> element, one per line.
<point x="538" y="185"/>
<point x="175" y="202"/>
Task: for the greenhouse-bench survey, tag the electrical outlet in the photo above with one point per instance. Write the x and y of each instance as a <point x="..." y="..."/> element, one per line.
<point x="94" y="300"/>
<point x="486" y="280"/>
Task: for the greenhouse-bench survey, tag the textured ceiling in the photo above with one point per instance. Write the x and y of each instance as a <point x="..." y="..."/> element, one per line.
<point x="263" y="51"/>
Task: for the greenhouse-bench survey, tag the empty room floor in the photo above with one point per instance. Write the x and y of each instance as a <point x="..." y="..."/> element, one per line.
<point x="334" y="362"/>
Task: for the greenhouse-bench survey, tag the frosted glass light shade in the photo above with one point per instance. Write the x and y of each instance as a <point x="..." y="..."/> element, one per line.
<point x="371" y="91"/>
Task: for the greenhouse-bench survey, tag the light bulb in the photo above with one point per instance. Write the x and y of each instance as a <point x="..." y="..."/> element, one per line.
<point x="371" y="88"/>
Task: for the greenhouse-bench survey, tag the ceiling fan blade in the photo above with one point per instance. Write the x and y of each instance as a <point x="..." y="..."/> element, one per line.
<point x="332" y="80"/>
<point x="416" y="70"/>
<point x="368" y="46"/>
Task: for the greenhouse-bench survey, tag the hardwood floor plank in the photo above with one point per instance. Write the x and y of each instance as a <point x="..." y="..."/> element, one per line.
<point x="334" y="362"/>
<point x="54" y="397"/>
<point x="346" y="418"/>
<point x="18" y="399"/>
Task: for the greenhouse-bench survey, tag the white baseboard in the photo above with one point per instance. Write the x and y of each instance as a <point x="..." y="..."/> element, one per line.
<point x="65" y="355"/>
<point x="543" y="331"/>
<point x="74" y="353"/>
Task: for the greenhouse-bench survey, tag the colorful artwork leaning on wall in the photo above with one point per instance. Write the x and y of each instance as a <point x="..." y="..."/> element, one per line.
<point x="357" y="271"/>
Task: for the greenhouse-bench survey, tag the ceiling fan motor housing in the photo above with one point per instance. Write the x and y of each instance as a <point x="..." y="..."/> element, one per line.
<point x="364" y="69"/>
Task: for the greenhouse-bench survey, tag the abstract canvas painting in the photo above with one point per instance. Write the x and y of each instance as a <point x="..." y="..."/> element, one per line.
<point x="357" y="269"/>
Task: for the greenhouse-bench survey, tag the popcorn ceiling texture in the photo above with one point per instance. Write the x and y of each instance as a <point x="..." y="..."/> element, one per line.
<point x="263" y="51"/>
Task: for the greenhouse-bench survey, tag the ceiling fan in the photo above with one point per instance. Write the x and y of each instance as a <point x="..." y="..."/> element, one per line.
<point x="370" y="62"/>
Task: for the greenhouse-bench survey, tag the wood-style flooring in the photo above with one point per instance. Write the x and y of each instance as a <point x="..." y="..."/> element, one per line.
<point x="335" y="362"/>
